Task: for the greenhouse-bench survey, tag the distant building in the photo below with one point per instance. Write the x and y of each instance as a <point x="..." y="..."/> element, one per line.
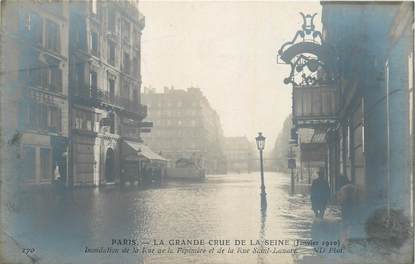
<point x="239" y="154"/>
<point x="185" y="126"/>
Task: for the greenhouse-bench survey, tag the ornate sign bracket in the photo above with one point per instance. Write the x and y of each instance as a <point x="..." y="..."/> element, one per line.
<point x="310" y="59"/>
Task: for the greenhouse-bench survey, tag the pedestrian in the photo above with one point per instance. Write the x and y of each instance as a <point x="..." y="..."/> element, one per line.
<point x="57" y="174"/>
<point x="340" y="182"/>
<point x="346" y="197"/>
<point x="319" y="194"/>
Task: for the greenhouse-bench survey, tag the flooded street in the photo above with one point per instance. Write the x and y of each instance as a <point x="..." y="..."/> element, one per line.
<point x="224" y="207"/>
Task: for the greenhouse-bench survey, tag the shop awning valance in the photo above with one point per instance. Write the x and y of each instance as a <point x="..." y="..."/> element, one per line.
<point x="138" y="151"/>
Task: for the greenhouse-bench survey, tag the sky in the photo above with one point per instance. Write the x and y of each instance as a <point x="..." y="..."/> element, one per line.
<point x="228" y="49"/>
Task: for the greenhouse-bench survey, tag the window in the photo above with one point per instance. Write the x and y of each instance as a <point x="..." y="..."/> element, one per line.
<point x="94" y="43"/>
<point x="80" y="79"/>
<point x="45" y="163"/>
<point x="31" y="24"/>
<point x="125" y="92"/>
<point x="93" y="81"/>
<point x="31" y="115"/>
<point x="55" y="79"/>
<point x="44" y="76"/>
<point x="79" y="29"/>
<point x="52" y="36"/>
<point x="126" y="63"/>
<point x="112" y="128"/>
<point x="126" y="30"/>
<point x="55" y="119"/>
<point x="28" y="22"/>
<point x="135" y="67"/>
<point x="84" y="120"/>
<point x="97" y="118"/>
<point x="78" y="120"/>
<point x="111" y="90"/>
<point x="35" y="75"/>
<point x="43" y="116"/>
<point x="112" y="26"/>
<point x="135" y="96"/>
<point x="111" y="52"/>
<point x="88" y="121"/>
<point x="29" y="162"/>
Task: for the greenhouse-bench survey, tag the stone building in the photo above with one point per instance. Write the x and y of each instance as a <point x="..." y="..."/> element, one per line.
<point x="357" y="97"/>
<point x="70" y="79"/>
<point x="105" y="80"/>
<point x="185" y="126"/>
<point x="239" y="154"/>
<point x="372" y="143"/>
<point x="34" y="90"/>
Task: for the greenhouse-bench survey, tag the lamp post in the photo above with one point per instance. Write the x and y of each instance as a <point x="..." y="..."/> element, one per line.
<point x="291" y="166"/>
<point x="260" y="143"/>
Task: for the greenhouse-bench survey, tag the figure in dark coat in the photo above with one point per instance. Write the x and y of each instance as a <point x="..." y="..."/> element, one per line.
<point x="346" y="197"/>
<point x="320" y="193"/>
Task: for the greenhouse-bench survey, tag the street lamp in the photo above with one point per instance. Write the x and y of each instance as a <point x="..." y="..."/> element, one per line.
<point x="260" y="143"/>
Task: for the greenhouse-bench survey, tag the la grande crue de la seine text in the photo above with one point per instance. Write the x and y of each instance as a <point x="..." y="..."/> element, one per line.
<point x="223" y="242"/>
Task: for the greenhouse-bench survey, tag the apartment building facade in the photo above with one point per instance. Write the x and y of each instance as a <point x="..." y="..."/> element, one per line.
<point x="70" y="79"/>
<point x="239" y="154"/>
<point x="34" y="81"/>
<point x="105" y="82"/>
<point x="185" y="126"/>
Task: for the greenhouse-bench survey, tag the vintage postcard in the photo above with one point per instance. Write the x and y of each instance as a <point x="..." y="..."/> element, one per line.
<point x="206" y="132"/>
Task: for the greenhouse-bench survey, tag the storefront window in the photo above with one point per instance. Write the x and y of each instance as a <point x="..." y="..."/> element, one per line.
<point x="45" y="163"/>
<point x="28" y="164"/>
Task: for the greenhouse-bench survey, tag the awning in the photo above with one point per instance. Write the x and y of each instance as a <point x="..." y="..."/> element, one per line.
<point x="138" y="151"/>
<point x="309" y="135"/>
<point x="313" y="152"/>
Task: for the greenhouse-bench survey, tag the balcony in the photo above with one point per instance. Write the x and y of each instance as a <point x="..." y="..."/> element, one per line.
<point x="315" y="105"/>
<point x="101" y="99"/>
<point x="132" y="108"/>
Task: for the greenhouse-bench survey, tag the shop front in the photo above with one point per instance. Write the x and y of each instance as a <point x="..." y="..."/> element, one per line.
<point x="140" y="165"/>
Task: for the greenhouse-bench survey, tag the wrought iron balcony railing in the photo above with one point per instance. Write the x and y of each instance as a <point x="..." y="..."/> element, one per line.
<point x="95" y="97"/>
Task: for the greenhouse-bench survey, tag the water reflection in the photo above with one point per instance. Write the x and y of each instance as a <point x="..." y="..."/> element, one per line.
<point x="262" y="236"/>
<point x="223" y="207"/>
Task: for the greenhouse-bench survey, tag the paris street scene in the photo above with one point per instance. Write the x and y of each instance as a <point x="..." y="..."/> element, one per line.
<point x="170" y="132"/>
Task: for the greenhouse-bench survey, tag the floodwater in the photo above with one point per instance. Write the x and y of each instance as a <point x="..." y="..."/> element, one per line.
<point x="225" y="207"/>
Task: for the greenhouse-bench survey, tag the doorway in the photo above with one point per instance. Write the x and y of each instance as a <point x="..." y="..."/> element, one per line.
<point x="109" y="166"/>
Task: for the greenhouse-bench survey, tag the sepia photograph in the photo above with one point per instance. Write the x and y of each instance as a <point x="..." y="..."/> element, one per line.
<point x="206" y="132"/>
